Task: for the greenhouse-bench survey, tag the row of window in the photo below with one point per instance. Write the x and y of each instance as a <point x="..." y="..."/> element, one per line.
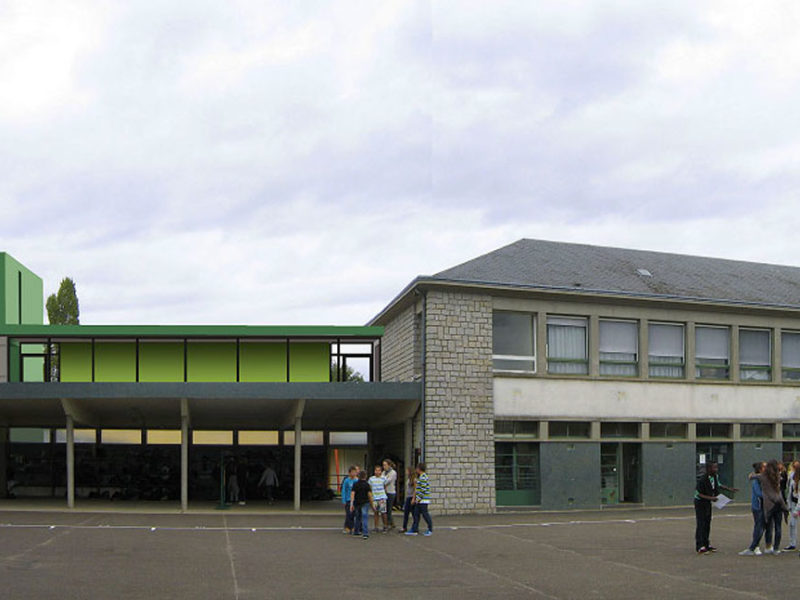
<point x="630" y="429"/>
<point x="514" y="348"/>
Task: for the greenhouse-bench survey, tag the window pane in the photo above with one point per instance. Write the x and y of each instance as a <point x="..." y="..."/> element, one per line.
<point x="790" y="349"/>
<point x="212" y="438"/>
<point x="347" y="438"/>
<point x="665" y="341"/>
<point x="163" y="436"/>
<point x="505" y="364"/>
<point x="512" y="333"/>
<point x="791" y="430"/>
<point x="33" y="368"/>
<point x="619" y="337"/>
<point x="258" y="438"/>
<point x="706" y="430"/>
<point x="754" y="347"/>
<point x="580" y="429"/>
<point x="566" y="341"/>
<point x="668" y="430"/>
<point x="121" y="436"/>
<point x="621" y="429"/>
<point x="761" y="430"/>
<point x="82" y="436"/>
<point x="712" y="343"/>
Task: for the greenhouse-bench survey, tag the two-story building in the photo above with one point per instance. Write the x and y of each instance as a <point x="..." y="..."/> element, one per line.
<point x="563" y="375"/>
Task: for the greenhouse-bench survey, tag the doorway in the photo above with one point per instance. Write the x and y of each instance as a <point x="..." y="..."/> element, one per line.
<point x="620" y="475"/>
<point x="722" y="454"/>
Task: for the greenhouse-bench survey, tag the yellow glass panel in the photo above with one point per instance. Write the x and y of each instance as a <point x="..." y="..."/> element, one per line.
<point x="258" y="438"/>
<point x="163" y="436"/>
<point x="213" y="438"/>
<point x="307" y="438"/>
<point x="121" y="436"/>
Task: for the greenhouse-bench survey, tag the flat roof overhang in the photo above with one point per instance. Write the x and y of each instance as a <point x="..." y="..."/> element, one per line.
<point x="351" y="406"/>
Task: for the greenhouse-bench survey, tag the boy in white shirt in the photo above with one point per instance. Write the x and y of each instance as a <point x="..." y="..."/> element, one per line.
<point x="378" y="484"/>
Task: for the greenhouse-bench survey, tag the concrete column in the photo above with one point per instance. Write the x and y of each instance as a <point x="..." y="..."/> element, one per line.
<point x="594" y="346"/>
<point x="298" y="449"/>
<point x="644" y="344"/>
<point x="3" y="461"/>
<point x="184" y="463"/>
<point x="689" y="352"/>
<point x="70" y="462"/>
<point x="734" y="372"/>
<point x="541" y="343"/>
<point x="408" y="443"/>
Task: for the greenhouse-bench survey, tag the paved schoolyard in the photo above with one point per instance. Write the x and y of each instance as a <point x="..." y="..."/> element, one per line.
<point x="225" y="555"/>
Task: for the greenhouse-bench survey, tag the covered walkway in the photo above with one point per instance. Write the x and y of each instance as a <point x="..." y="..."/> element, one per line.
<point x="289" y="407"/>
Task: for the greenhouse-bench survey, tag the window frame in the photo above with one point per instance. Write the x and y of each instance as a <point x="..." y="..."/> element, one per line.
<point x="549" y="359"/>
<point x="637" y="351"/>
<point x="681" y="365"/>
<point x="698" y="366"/>
<point x="748" y="367"/>
<point x="516" y="357"/>
<point x="788" y="369"/>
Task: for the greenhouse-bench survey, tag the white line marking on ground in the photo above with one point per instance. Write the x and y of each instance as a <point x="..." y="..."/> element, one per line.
<point x="229" y="548"/>
<point x="484" y="570"/>
<point x="43" y="544"/>
<point x="690" y="582"/>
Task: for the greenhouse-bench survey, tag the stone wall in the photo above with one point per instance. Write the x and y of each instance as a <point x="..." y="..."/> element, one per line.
<point x="459" y="411"/>
<point x="398" y="347"/>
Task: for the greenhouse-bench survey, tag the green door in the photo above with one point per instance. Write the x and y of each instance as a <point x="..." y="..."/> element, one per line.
<point x="517" y="473"/>
<point x="609" y="473"/>
<point x="722" y="454"/>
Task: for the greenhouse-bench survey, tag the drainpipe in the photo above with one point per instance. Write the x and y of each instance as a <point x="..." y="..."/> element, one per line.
<point x="423" y="344"/>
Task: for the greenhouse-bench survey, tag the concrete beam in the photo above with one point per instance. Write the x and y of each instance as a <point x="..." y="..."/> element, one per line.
<point x="294" y="413"/>
<point x="397" y="415"/>
<point x="77" y="413"/>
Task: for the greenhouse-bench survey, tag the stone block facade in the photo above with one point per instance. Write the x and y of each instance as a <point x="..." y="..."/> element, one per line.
<point x="399" y="346"/>
<point x="459" y="409"/>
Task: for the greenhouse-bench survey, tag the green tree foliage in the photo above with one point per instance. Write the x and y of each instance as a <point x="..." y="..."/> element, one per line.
<point x="349" y="374"/>
<point x="62" y="308"/>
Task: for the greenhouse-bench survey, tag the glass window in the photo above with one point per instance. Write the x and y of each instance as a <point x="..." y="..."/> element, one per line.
<point x="164" y="436"/>
<point x="713" y="430"/>
<point x="513" y="341"/>
<point x="121" y="436"/>
<point x="791" y="430"/>
<point x="756" y="430"/>
<point x="82" y="436"/>
<point x="567" y="349"/>
<point x="516" y="429"/>
<point x="790" y="355"/>
<point x="307" y="438"/>
<point x="620" y="429"/>
<point x="517" y="478"/>
<point x="712" y="352"/>
<point x="212" y="438"/>
<point x="258" y="438"/>
<point x="667" y="430"/>
<point x="755" y="355"/>
<point x="619" y="348"/>
<point x="666" y="354"/>
<point x="570" y="429"/>
<point x="348" y="438"/>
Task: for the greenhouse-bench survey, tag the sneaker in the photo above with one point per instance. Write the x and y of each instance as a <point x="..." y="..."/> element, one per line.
<point x="703" y="550"/>
<point x="411" y="533"/>
<point x="712" y="549"/>
<point x="365" y="537"/>
<point x="402" y="531"/>
<point x="242" y="503"/>
<point x="776" y="552"/>
<point x="747" y="552"/>
<point x="428" y="533"/>
<point x="790" y="547"/>
<point x="757" y="551"/>
<point x="769" y="550"/>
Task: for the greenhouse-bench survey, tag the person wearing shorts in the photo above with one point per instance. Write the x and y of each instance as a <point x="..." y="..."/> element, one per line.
<point x="378" y="485"/>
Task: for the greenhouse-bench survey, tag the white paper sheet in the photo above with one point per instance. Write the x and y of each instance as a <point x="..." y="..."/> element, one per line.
<point x="722" y="501"/>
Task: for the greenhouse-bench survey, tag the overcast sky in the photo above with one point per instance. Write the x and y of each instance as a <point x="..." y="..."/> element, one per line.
<point x="300" y="162"/>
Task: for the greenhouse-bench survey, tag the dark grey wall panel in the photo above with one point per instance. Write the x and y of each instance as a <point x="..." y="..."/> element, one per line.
<point x="570" y="475"/>
<point x="668" y="473"/>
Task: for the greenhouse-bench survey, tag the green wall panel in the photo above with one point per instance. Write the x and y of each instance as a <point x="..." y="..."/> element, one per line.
<point x="212" y="361"/>
<point x="13" y="360"/>
<point x="309" y="361"/>
<point x="161" y="362"/>
<point x="76" y="361"/>
<point x="32" y="299"/>
<point x="115" y="361"/>
<point x="570" y="475"/>
<point x="32" y="293"/>
<point x="262" y="361"/>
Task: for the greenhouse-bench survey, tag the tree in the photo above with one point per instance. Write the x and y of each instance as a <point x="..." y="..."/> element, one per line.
<point x="349" y="373"/>
<point x="62" y="308"/>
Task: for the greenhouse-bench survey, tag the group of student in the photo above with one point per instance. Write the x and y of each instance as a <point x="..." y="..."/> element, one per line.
<point x="379" y="493"/>
<point x="774" y="498"/>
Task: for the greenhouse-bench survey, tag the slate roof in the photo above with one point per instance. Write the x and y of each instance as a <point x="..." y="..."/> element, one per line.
<point x="597" y="269"/>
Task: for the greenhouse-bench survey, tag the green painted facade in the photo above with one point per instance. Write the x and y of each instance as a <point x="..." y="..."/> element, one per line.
<point x="205" y="361"/>
<point x="21" y="293"/>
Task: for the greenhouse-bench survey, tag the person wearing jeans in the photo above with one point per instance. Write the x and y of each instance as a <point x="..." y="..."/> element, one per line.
<point x="774" y="506"/>
<point x="408" y="506"/>
<point x="756" y="506"/>
<point x="360" y="502"/>
<point x="421" y="500"/>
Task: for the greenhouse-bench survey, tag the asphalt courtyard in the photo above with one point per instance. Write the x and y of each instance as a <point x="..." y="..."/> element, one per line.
<point x="230" y="555"/>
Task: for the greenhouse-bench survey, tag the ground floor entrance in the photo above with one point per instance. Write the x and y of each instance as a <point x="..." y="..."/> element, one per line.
<point x="620" y="477"/>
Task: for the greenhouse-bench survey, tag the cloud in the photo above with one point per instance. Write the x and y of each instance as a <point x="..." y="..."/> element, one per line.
<point x="265" y="162"/>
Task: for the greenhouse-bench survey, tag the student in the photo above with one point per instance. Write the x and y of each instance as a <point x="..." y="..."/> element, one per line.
<point x="793" y="498"/>
<point x="269" y="479"/>
<point x="391" y="489"/>
<point x="774" y="505"/>
<point x="706" y="492"/>
<point x="421" y="500"/>
<point x="360" y="501"/>
<point x="408" y="507"/>
<point x="756" y="501"/>
<point x="347" y="487"/>
<point x="378" y="484"/>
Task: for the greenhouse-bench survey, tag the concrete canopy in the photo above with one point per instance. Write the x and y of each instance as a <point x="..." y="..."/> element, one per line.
<point x="327" y="406"/>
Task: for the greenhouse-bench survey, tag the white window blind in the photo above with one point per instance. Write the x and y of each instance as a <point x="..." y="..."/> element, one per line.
<point x="754" y="347"/>
<point x="619" y="342"/>
<point x="790" y="350"/>
<point x="666" y="353"/>
<point x="567" y="351"/>
<point x="713" y="343"/>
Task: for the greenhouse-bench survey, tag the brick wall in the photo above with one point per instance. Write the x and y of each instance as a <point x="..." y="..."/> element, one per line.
<point x="459" y="410"/>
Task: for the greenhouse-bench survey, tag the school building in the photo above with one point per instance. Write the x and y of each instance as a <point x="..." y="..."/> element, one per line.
<point x="543" y="374"/>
